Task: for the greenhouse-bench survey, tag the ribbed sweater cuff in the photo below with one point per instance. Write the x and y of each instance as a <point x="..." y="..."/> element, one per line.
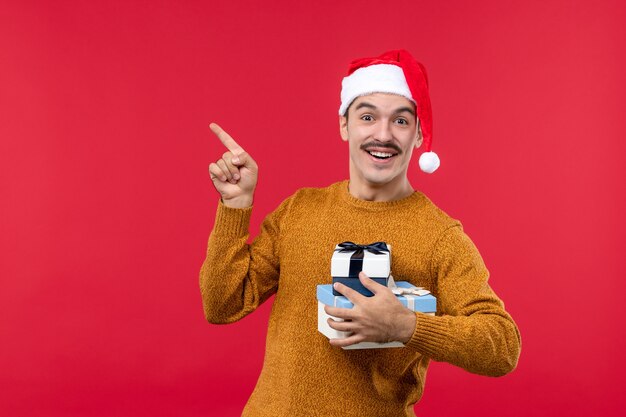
<point x="429" y="336"/>
<point x="231" y="221"/>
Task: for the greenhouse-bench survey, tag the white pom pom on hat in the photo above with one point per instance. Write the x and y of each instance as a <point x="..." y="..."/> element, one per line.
<point x="395" y="72"/>
<point x="429" y="162"/>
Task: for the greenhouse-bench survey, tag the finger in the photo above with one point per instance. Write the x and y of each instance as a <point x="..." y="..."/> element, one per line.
<point x="342" y="313"/>
<point x="244" y="159"/>
<point x="342" y="326"/>
<point x="226" y="139"/>
<point x="222" y="165"/>
<point x="347" y="341"/>
<point x="354" y="296"/>
<point x="234" y="171"/>
<point x="216" y="173"/>
<point x="370" y="284"/>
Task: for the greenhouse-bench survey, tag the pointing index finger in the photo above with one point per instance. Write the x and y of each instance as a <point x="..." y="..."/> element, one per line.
<point x="226" y="139"/>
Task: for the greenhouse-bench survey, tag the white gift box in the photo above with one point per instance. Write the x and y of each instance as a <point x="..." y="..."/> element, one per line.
<point x="349" y="259"/>
<point x="374" y="265"/>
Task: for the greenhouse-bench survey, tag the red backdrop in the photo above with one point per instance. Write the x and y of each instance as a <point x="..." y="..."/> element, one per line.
<point x="106" y="203"/>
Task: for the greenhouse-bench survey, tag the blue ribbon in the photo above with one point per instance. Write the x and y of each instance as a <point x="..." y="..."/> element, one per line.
<point x="356" y="260"/>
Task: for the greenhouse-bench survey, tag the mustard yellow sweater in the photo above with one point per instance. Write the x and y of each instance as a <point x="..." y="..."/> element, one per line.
<point x="302" y="374"/>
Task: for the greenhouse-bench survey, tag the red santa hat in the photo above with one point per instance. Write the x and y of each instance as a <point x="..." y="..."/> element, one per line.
<point x="395" y="72"/>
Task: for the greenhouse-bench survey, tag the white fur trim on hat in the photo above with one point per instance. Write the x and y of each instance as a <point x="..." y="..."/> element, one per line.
<point x="380" y="78"/>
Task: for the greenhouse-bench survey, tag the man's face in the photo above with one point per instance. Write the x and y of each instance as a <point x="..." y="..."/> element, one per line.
<point x="381" y="130"/>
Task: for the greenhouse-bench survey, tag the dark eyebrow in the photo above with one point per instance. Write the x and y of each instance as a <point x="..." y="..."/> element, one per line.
<point x="403" y="109"/>
<point x="397" y="111"/>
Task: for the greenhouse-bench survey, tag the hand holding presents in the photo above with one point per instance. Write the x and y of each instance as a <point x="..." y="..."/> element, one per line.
<point x="235" y="175"/>
<point x="380" y="318"/>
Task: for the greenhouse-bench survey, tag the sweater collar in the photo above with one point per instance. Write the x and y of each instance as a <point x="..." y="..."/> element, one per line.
<point x="375" y="205"/>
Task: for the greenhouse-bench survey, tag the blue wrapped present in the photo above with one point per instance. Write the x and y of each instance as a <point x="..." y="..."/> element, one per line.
<point x="425" y="304"/>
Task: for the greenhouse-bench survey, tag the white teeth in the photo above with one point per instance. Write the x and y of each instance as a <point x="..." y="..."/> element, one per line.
<point x="381" y="154"/>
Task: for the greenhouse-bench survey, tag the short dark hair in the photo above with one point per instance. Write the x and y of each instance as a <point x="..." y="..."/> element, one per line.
<point x="348" y="110"/>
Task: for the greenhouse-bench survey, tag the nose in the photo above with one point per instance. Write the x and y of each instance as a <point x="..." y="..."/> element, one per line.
<point x="383" y="132"/>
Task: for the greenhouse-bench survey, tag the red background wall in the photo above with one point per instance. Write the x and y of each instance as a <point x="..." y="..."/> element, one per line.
<point x="106" y="203"/>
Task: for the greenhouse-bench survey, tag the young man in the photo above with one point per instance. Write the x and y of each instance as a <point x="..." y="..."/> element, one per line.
<point x="384" y="115"/>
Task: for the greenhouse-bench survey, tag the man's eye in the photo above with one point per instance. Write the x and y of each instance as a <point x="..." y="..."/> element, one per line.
<point x="367" y="118"/>
<point x="402" y="121"/>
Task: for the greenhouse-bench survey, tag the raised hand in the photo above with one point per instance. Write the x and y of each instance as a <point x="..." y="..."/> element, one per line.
<point x="235" y="175"/>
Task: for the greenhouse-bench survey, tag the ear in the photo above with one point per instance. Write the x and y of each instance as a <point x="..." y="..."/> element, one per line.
<point x="419" y="137"/>
<point x="343" y="127"/>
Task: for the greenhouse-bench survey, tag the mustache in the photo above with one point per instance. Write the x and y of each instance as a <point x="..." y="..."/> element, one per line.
<point x="377" y="144"/>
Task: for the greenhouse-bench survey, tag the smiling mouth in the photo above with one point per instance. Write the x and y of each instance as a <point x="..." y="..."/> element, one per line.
<point x="381" y="151"/>
<point x="381" y="155"/>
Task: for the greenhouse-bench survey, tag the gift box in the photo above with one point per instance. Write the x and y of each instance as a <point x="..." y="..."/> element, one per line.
<point x="349" y="259"/>
<point x="423" y="303"/>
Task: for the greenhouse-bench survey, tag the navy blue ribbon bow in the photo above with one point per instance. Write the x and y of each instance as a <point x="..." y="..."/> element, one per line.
<point x="356" y="260"/>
